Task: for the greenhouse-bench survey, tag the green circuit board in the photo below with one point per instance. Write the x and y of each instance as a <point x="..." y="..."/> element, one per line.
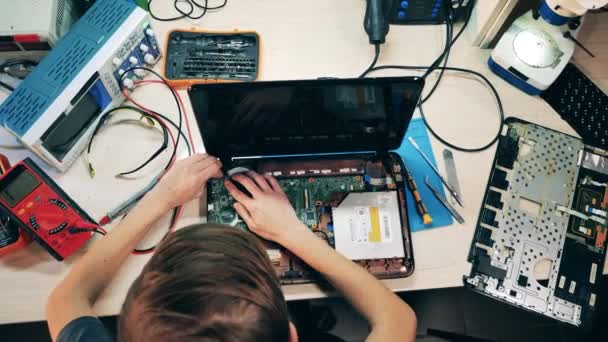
<point x="303" y="193"/>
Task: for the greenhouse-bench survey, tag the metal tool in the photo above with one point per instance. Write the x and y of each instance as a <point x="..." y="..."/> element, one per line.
<point x="228" y="54"/>
<point x="444" y="201"/>
<point x="233" y="44"/>
<point x="129" y="202"/>
<point x="420" y="207"/>
<point x="428" y="161"/>
<point x="450" y="168"/>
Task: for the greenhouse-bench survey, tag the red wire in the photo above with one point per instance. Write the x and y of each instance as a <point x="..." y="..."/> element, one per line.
<point x="105" y="220"/>
<point x="183" y="107"/>
<point x="181" y="102"/>
<point x="151" y="112"/>
<point x="171" y="229"/>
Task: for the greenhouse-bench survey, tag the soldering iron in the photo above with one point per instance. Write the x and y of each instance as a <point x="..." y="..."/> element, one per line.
<point x="376" y="22"/>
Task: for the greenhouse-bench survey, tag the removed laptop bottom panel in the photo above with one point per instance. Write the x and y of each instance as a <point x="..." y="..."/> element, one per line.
<point x="355" y="205"/>
<point x="540" y="241"/>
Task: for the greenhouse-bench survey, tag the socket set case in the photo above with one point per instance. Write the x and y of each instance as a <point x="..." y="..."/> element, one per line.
<point x="198" y="57"/>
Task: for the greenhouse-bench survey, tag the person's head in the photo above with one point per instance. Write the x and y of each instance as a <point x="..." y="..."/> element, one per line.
<point x="207" y="283"/>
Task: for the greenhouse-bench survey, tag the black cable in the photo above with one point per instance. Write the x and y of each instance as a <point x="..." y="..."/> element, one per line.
<point x="435" y="66"/>
<point x="437" y="136"/>
<point x="374" y="61"/>
<point x="76" y="230"/>
<point x="99" y="232"/>
<point x="449" y="45"/>
<point x="154" y="155"/>
<point x="179" y="129"/>
<point x="142" y="112"/>
<point x="175" y="97"/>
<point x="171" y="122"/>
<point x="445" y="56"/>
<point x="192" y="5"/>
<point x="442" y="56"/>
<point x="7" y="87"/>
<point x="171" y="225"/>
<point x="181" y="132"/>
<point x="466" y="22"/>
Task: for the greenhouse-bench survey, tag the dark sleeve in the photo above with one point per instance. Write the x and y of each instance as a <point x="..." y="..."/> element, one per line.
<point x="84" y="329"/>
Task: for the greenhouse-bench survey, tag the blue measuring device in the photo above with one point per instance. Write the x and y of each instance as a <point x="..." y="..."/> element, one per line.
<point x="54" y="110"/>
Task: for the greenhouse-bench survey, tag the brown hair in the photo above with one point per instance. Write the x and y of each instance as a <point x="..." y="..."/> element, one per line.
<point x="206" y="283"/>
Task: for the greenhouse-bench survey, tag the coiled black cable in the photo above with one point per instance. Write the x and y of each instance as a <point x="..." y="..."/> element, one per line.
<point x="192" y="7"/>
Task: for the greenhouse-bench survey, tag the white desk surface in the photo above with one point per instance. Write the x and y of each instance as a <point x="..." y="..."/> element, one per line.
<point x="300" y="41"/>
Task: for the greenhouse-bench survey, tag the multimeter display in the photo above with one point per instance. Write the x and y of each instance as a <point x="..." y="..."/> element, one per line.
<point x="15" y="191"/>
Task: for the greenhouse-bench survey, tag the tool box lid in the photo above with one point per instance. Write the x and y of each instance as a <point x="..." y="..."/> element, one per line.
<point x="239" y="120"/>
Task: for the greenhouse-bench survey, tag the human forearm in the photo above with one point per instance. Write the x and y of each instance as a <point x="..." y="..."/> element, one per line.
<point x="75" y="295"/>
<point x="95" y="269"/>
<point x="269" y="214"/>
<point x="389" y="316"/>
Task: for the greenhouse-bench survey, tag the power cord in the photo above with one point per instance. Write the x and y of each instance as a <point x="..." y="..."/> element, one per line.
<point x="443" y="60"/>
<point x="102" y="121"/>
<point x="431" y="130"/>
<point x="446" y="49"/>
<point x="175" y="97"/>
<point x="450" y="42"/>
<point x="374" y="61"/>
<point x="445" y="56"/>
<point x="174" y="218"/>
<point x="192" y="7"/>
<point x="180" y="105"/>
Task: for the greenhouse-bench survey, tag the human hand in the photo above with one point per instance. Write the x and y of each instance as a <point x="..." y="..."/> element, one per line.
<point x="267" y="212"/>
<point x="186" y="179"/>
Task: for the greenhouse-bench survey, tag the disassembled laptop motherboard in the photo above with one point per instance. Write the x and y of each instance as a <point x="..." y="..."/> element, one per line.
<point x="540" y="242"/>
<point x="357" y="206"/>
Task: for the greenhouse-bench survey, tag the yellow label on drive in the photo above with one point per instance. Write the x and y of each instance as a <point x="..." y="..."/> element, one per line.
<point x="374" y="233"/>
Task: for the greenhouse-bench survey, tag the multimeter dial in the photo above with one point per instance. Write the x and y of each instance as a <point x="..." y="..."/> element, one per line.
<point x="49" y="217"/>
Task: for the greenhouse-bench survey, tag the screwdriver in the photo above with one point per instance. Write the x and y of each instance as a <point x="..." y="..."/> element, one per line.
<point x="420" y="207"/>
<point x="428" y="161"/>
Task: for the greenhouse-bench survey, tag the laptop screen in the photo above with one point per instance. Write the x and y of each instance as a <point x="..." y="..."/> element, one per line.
<point x="305" y="117"/>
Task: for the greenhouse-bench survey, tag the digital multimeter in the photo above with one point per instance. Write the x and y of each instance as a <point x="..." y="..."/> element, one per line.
<point x="33" y="201"/>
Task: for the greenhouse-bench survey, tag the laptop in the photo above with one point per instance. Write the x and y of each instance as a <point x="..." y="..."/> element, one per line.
<point x="540" y="241"/>
<point x="329" y="143"/>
